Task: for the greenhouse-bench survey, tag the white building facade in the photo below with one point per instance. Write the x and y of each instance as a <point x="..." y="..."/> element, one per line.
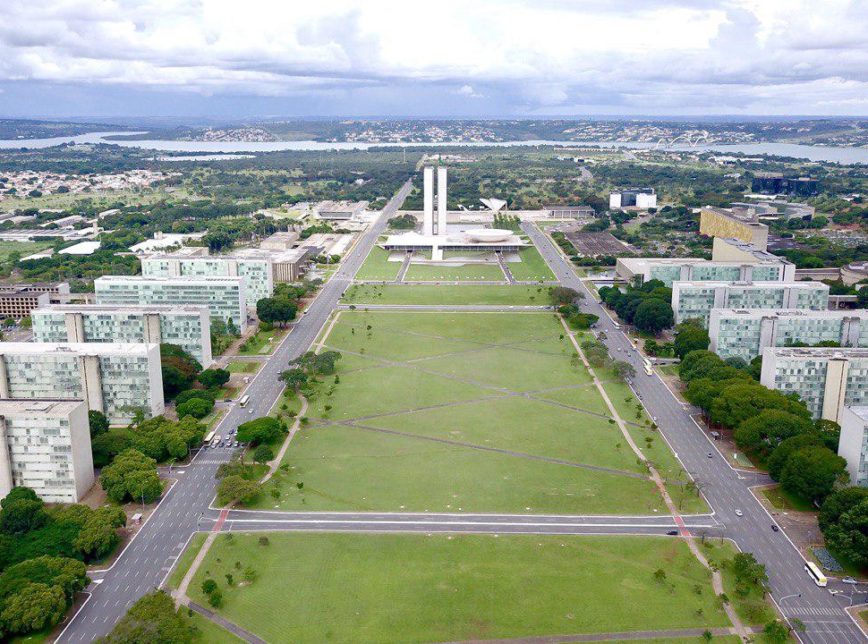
<point x="45" y="445"/>
<point x="853" y="444"/>
<point x="188" y="327"/>
<point x="225" y="297"/>
<point x="116" y="379"/>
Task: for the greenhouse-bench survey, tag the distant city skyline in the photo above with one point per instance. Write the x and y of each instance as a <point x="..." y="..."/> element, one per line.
<point x="487" y="59"/>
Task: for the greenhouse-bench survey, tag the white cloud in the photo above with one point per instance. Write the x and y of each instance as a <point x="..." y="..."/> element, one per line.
<point x="534" y="55"/>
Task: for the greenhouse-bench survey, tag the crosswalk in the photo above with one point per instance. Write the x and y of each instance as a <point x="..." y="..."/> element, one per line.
<point x="813" y="611"/>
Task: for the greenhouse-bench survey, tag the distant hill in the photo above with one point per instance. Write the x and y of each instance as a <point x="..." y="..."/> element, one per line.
<point x="32" y="129"/>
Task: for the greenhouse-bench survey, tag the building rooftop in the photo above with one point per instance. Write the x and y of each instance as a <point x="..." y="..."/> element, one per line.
<point x="746" y="219"/>
<point x="76" y="348"/>
<point x="41" y="406"/>
<point x="818" y="352"/>
<point x="859" y="410"/>
<point x="791" y="313"/>
<point x="819" y="286"/>
<point x="132" y="308"/>
<point x="164" y="240"/>
<point x="483" y="238"/>
<point x="81" y="248"/>
<point x="762" y="256"/>
<point x="180" y="281"/>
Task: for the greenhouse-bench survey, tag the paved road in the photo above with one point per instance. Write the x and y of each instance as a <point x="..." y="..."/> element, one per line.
<point x="822" y="613"/>
<point x="147" y="559"/>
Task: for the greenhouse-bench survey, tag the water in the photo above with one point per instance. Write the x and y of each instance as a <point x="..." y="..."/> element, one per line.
<point x="810" y="152"/>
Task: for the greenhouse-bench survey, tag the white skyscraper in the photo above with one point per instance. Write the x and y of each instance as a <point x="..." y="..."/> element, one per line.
<point x="428" y="196"/>
<point x="441" y="200"/>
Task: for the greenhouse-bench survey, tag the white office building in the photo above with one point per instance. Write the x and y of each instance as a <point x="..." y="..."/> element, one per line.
<point x="745" y="333"/>
<point x="188" y="327"/>
<point x="695" y="300"/>
<point x="827" y="379"/>
<point x="637" y="270"/>
<point x="45" y="445"/>
<point x="225" y="297"/>
<point x="116" y="379"/>
<point x="640" y="198"/>
<point x="853" y="444"/>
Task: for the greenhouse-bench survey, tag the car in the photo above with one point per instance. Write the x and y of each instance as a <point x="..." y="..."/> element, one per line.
<point x="849" y="580"/>
<point x="249" y="411"/>
<point x="775" y="528"/>
<point x="672" y="533"/>
<point x="710" y="455"/>
<point x="739" y="513"/>
<point x="235" y="444"/>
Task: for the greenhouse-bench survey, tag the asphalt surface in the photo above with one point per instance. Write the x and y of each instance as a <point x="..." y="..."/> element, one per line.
<point x="724" y="488"/>
<point x="147" y="559"/>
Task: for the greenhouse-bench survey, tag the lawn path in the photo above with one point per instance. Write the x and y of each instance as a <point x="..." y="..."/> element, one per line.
<point x="716" y="579"/>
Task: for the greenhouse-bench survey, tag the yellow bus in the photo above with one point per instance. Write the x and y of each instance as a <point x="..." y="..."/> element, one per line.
<point x="815" y="574"/>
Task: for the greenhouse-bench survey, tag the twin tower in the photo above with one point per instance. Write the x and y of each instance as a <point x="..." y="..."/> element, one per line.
<point x="428" y="214"/>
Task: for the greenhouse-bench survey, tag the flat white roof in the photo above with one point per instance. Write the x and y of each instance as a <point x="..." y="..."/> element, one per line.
<point x="450" y="239"/>
<point x="81" y="248"/>
<point x="122" y="308"/>
<point x="818" y="286"/>
<point x="790" y="313"/>
<point x="168" y="239"/>
<point x="173" y="281"/>
<point x="859" y="410"/>
<point x="43" y="407"/>
<point x="76" y="348"/>
<point x="817" y="352"/>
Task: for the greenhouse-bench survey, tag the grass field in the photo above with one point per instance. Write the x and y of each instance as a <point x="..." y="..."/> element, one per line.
<point x="258" y="343"/>
<point x="482" y="412"/>
<point x="243" y="366"/>
<point x="378" y="267"/>
<point x="462" y="273"/>
<point x="531" y="267"/>
<point x="185" y="560"/>
<point x="410" y="588"/>
<point x="22" y="248"/>
<point x="463" y="294"/>
<point x="207" y="632"/>
<point x="783" y="500"/>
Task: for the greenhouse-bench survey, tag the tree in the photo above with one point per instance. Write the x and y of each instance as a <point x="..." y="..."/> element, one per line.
<point x="623" y="370"/>
<point x="741" y="401"/>
<point x="195" y="407"/>
<point x="787" y="447"/>
<point x="99" y="536"/>
<point x="764" y="432"/>
<point x="278" y="310"/>
<point x="653" y="315"/>
<point x="559" y="295"/>
<point x="98" y="423"/>
<point x="690" y="336"/>
<point x="263" y="454"/>
<point x="848" y="536"/>
<point x="295" y="379"/>
<point x="20" y="493"/>
<point x="838" y="503"/>
<point x="106" y="446"/>
<point x="152" y="620"/>
<point x="776" y="632"/>
<point x="132" y="475"/>
<point x="209" y="586"/>
<point x="812" y="472"/>
<point x="33" y="607"/>
<point x="202" y="394"/>
<point x="314" y="364"/>
<point x="213" y="378"/>
<point x="23" y="515"/>
<point x="234" y="488"/>
<point x="259" y="430"/>
<point x="179" y="368"/>
<point x="748" y="572"/>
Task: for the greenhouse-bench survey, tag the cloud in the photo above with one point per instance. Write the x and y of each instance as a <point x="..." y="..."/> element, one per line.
<point x="523" y="56"/>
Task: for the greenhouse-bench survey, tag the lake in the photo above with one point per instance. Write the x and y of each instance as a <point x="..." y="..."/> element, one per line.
<point x="810" y="152"/>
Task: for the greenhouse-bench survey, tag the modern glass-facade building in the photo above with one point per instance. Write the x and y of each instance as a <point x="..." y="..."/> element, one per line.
<point x="45" y="445"/>
<point x="744" y="333"/>
<point x="694" y="300"/>
<point x="188" y="327"/>
<point x="827" y="379"/>
<point x="637" y="270"/>
<point x="256" y="271"/>
<point x="116" y="379"/>
<point x="853" y="444"/>
<point x="225" y="297"/>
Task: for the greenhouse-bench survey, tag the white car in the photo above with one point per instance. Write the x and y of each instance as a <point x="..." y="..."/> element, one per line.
<point x="739" y="513"/>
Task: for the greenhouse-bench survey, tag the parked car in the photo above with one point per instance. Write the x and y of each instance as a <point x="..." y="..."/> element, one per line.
<point x="672" y="533"/>
<point x="739" y="513"/>
<point x="775" y="528"/>
<point x="849" y="580"/>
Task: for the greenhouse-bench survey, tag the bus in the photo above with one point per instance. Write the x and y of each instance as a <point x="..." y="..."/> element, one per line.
<point x="244" y="400"/>
<point x="209" y="437"/>
<point x="815" y="574"/>
<point x="648" y="370"/>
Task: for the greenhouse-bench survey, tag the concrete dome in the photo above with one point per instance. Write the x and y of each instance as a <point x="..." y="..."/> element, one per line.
<point x="488" y="235"/>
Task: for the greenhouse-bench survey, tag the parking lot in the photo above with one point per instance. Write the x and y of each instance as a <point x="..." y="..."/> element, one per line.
<point x="592" y="244"/>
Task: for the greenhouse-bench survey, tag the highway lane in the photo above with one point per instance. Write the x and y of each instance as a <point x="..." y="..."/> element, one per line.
<point x="146" y="560"/>
<point x="822" y="614"/>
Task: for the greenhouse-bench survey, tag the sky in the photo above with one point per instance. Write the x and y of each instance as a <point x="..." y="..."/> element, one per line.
<point x="441" y="58"/>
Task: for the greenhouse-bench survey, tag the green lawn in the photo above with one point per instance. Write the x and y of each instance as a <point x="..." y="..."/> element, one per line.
<point x="259" y="344"/>
<point x="445" y="273"/>
<point x="462" y="294"/>
<point x="22" y="248"/>
<point x="531" y="267"/>
<point x="783" y="500"/>
<point x="452" y="411"/>
<point x="754" y="609"/>
<point x="412" y="588"/>
<point x="207" y="632"/>
<point x="182" y="565"/>
<point x="243" y="366"/>
<point x="378" y="267"/>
